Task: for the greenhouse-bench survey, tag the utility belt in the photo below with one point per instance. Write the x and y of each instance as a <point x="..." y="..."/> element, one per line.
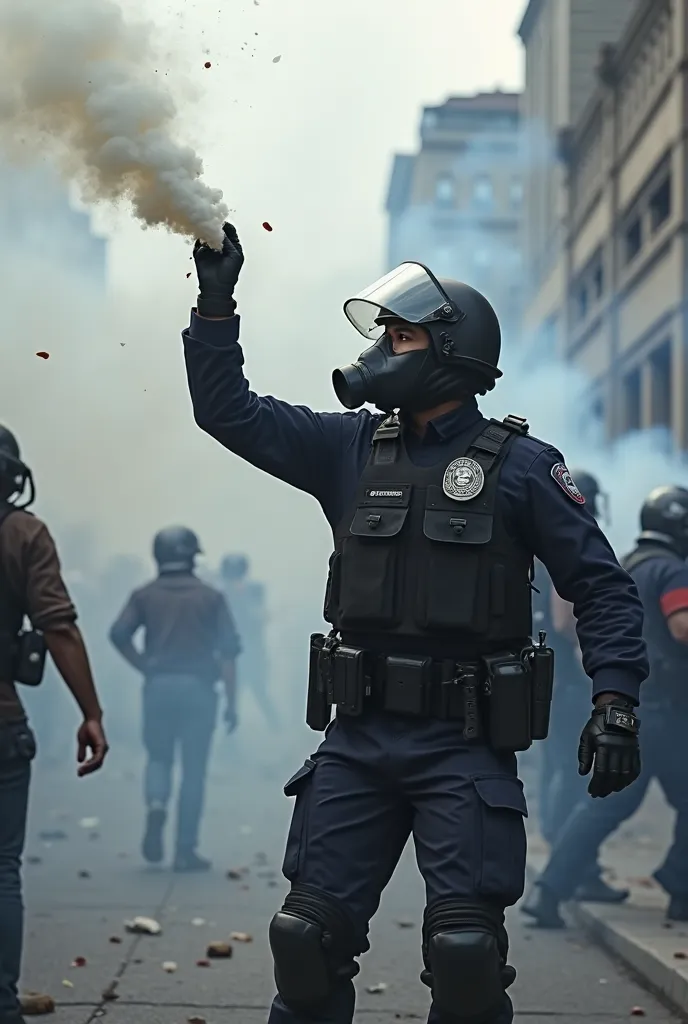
<point x="22" y="657"/>
<point x="503" y="699"/>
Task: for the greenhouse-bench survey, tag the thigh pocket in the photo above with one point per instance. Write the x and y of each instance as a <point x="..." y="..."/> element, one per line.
<point x="299" y="786"/>
<point x="502" y="809"/>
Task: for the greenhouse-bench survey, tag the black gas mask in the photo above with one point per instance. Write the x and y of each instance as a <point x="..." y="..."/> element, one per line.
<point x="461" y="357"/>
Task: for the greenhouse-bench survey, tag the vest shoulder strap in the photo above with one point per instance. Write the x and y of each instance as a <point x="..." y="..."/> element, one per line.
<point x="493" y="439"/>
<point x="385" y="442"/>
<point x="516" y="424"/>
<point x="643" y="554"/>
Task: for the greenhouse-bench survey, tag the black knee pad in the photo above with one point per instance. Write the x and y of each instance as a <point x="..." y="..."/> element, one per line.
<point x="313" y="946"/>
<point x="464" y="950"/>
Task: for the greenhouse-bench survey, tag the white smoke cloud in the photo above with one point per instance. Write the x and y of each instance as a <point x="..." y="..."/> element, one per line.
<point x="76" y="77"/>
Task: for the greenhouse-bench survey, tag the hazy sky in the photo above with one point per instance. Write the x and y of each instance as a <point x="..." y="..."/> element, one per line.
<point x="305" y="143"/>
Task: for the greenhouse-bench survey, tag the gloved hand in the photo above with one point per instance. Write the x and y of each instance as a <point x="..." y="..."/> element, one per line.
<point x="610" y="741"/>
<point x="218" y="273"/>
<point x="231" y="720"/>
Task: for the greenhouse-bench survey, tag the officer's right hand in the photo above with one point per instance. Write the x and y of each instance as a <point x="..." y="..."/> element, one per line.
<point x="609" y="746"/>
<point x="91" y="737"/>
<point x="218" y="273"/>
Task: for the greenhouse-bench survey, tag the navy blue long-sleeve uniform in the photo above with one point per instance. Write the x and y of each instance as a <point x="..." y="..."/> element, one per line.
<point x="378" y="777"/>
<point x="324" y="454"/>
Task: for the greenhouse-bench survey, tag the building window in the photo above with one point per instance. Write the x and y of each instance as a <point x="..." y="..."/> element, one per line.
<point x="483" y="192"/>
<point x="582" y="302"/>
<point x="598" y="410"/>
<point x="632" y="401"/>
<point x="516" y="194"/>
<point x="660" y="204"/>
<point x="660" y="388"/>
<point x="429" y="120"/>
<point x="598" y="281"/>
<point x="633" y="238"/>
<point x="445" y="190"/>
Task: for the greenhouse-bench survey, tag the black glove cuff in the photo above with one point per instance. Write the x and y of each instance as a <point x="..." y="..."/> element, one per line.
<point x="215" y="305"/>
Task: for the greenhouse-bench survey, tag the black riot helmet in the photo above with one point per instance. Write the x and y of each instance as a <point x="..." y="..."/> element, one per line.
<point x="175" y="549"/>
<point x="465" y="342"/>
<point x="234" y="568"/>
<point x="664" y="518"/>
<point x="589" y="487"/>
<point x="16" y="480"/>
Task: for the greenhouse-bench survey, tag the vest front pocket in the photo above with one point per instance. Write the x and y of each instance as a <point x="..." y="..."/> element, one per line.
<point x="453" y="593"/>
<point x="369" y="584"/>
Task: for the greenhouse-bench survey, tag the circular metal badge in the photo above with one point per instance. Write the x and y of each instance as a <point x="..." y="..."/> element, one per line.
<point x="463" y="479"/>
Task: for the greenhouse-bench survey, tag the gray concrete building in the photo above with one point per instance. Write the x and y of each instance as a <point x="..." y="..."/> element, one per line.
<point x="562" y="39"/>
<point x="456" y="203"/>
<point x="617" y="283"/>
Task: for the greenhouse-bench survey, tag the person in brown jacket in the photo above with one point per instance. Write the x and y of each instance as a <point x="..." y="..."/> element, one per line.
<point x="31" y="587"/>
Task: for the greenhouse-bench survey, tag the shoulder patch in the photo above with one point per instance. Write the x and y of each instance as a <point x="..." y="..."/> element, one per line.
<point x="561" y="475"/>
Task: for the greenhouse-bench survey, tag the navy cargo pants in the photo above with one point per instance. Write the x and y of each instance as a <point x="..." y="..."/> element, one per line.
<point x="375" y="781"/>
<point x="662" y="739"/>
<point x="17" y="750"/>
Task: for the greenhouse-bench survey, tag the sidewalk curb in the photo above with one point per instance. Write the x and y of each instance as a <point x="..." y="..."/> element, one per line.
<point x="641" y="957"/>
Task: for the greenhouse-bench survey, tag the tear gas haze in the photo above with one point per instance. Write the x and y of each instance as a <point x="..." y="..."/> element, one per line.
<point x="74" y="73"/>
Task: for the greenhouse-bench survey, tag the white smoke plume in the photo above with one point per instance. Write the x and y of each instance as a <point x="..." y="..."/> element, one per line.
<point x="74" y="73"/>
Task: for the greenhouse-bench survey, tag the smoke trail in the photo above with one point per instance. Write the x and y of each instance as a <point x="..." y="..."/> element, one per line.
<point x="74" y="72"/>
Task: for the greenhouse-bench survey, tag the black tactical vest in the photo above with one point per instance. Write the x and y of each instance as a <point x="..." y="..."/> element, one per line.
<point x="666" y="684"/>
<point x="417" y="571"/>
<point x="11" y="614"/>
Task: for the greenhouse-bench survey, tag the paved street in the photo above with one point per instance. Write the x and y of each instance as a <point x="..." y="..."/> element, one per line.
<point x="69" y="916"/>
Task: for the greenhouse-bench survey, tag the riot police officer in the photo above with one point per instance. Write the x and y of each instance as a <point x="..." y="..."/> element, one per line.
<point x="31" y="587"/>
<point x="190" y="642"/>
<point x="561" y="787"/>
<point x="437" y="514"/>
<point x="658" y="566"/>
<point x="246" y="598"/>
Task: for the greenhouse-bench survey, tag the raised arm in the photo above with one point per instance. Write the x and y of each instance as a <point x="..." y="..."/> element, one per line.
<point x="290" y="442"/>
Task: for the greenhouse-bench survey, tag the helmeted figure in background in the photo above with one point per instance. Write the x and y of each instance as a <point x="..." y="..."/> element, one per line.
<point x="658" y="566"/>
<point x="561" y="786"/>
<point x="31" y="587"/>
<point x="190" y="643"/>
<point x="436" y="514"/>
<point x="246" y="599"/>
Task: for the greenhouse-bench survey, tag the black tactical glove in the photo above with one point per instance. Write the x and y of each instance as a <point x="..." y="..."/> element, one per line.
<point x="218" y="273"/>
<point x="610" y="740"/>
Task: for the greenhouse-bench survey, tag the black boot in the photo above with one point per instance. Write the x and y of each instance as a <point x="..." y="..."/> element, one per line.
<point x="595" y="890"/>
<point x="678" y="909"/>
<point x="543" y="906"/>
<point x="188" y="860"/>
<point x="152" y="848"/>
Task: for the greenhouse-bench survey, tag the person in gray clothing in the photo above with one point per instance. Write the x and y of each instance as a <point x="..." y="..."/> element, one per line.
<point x="190" y="643"/>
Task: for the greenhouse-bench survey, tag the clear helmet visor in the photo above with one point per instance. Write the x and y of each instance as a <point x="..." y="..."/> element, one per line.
<point x="409" y="292"/>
